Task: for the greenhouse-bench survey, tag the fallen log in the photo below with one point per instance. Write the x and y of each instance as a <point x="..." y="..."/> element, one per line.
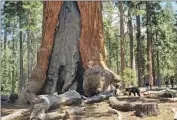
<point x="146" y="109"/>
<point x="167" y="93"/>
<point x="22" y="114"/>
<point x="46" y="102"/>
<point x="121" y="105"/>
<point x="99" y="97"/>
<point x="172" y="100"/>
<point x="66" y="113"/>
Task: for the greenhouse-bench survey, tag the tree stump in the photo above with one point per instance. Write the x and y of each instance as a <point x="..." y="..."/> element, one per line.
<point x="146" y="109"/>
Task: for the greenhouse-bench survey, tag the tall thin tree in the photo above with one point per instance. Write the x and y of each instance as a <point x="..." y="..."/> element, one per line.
<point x="122" y="40"/>
<point x="149" y="44"/>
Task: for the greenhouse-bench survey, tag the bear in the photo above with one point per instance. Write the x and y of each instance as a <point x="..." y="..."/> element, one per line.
<point x="134" y="90"/>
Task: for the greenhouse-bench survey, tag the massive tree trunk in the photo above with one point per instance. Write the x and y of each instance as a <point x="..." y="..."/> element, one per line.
<point x="65" y="58"/>
<point x="149" y="45"/>
<point x="38" y="74"/>
<point x="72" y="37"/>
<point x="122" y="42"/>
<point x="92" y="41"/>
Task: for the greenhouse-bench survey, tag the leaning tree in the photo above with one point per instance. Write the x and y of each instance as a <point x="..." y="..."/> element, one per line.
<point x="72" y="36"/>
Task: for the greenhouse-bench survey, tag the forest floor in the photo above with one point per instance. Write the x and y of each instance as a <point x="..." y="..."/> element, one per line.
<point x="100" y="111"/>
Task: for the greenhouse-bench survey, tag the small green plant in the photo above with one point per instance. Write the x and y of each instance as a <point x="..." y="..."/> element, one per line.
<point x="129" y="77"/>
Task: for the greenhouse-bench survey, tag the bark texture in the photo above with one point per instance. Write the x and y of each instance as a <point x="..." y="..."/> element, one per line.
<point x="122" y="36"/>
<point x="130" y="28"/>
<point x="62" y="58"/>
<point x="96" y="80"/>
<point x="92" y="42"/>
<point x="149" y="45"/>
<point x="139" y="49"/>
<point x="43" y="103"/>
<point x="65" y="58"/>
<point x="38" y="75"/>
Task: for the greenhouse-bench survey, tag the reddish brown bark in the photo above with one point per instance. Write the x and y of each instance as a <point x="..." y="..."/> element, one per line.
<point x="38" y="76"/>
<point x="92" y="42"/>
<point x="50" y="18"/>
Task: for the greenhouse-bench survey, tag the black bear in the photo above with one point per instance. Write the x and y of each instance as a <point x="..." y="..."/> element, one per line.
<point x="133" y="90"/>
<point x="13" y="97"/>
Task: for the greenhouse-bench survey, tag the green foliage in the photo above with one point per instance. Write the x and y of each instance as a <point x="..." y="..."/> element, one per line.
<point x="30" y="14"/>
<point x="129" y="77"/>
<point x="163" y="26"/>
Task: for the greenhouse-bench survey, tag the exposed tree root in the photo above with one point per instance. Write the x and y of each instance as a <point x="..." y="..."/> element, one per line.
<point x="99" y="97"/>
<point x="44" y="102"/>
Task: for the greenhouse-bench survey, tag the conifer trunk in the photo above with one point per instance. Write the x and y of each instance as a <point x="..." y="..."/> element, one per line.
<point x="149" y="45"/>
<point x="122" y="42"/>
<point x="72" y="37"/>
<point x="139" y="49"/>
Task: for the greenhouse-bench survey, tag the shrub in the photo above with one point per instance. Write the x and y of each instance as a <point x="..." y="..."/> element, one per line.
<point x="129" y="77"/>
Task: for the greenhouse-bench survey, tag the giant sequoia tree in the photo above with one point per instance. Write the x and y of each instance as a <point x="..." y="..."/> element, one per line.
<point x="72" y="36"/>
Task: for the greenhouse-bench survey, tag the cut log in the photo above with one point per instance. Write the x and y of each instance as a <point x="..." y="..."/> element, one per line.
<point x="121" y="105"/>
<point x="100" y="97"/>
<point x="53" y="101"/>
<point x="22" y="114"/>
<point x="146" y="109"/>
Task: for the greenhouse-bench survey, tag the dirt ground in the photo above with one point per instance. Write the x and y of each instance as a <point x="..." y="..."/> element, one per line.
<point x="100" y="111"/>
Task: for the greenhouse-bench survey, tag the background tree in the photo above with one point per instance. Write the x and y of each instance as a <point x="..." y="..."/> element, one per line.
<point x="122" y="36"/>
